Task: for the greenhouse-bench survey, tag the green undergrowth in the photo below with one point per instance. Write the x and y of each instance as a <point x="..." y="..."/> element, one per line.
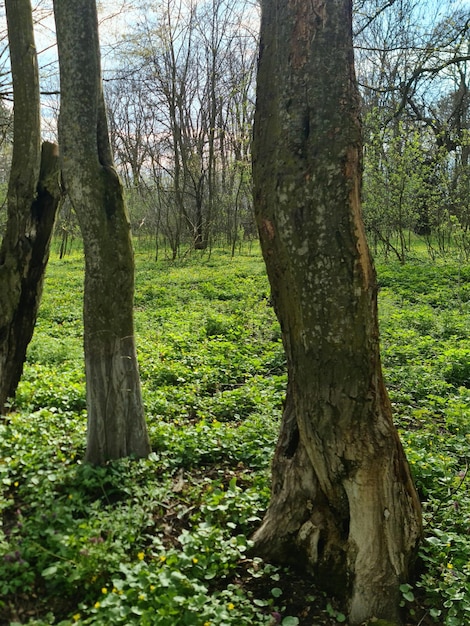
<point x="425" y="334"/>
<point x="166" y="540"/>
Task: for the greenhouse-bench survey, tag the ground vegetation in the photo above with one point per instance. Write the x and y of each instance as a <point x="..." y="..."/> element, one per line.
<point x="145" y="541"/>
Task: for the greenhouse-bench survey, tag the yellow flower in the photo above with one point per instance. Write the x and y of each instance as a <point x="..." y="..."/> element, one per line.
<point x="97" y="605"/>
<point x="142" y="596"/>
<point x="141" y="556"/>
<point x="207" y="624"/>
<point x="104" y="590"/>
<point x="16" y="483"/>
<point x="195" y="560"/>
<point x="152" y="587"/>
<point x="76" y="617"/>
<point x="230" y="606"/>
<point x="162" y="558"/>
<point x="450" y="566"/>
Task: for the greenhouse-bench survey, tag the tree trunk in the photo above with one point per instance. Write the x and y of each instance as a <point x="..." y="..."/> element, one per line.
<point x="116" y="424"/>
<point x="343" y="504"/>
<point x="33" y="199"/>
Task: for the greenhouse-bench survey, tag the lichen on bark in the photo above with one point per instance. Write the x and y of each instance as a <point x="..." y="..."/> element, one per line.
<point x="339" y="464"/>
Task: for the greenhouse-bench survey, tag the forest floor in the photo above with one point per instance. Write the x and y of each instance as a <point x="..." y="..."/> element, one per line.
<point x="165" y="541"/>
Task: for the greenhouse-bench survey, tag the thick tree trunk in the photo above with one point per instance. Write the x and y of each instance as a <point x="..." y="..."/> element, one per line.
<point x="116" y="425"/>
<point x="33" y="199"/>
<point x="343" y="503"/>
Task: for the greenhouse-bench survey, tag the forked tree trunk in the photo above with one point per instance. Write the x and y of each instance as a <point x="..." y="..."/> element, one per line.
<point x="343" y="504"/>
<point x="33" y="198"/>
<point x="116" y="424"/>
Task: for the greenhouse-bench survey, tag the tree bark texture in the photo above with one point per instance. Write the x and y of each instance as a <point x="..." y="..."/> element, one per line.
<point x="33" y="198"/>
<point x="343" y="504"/>
<point x="116" y="424"/>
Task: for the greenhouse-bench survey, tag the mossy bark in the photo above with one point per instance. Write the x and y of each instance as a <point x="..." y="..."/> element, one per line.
<point x="343" y="503"/>
<point x="116" y="424"/>
<point x="33" y="198"/>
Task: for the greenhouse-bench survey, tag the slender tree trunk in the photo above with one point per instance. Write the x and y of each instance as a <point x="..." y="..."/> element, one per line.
<point x="116" y="425"/>
<point x="343" y="503"/>
<point x="33" y="199"/>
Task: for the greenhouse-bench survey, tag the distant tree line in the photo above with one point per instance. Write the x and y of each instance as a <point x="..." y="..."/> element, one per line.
<point x="180" y="99"/>
<point x="181" y="105"/>
<point x="413" y="60"/>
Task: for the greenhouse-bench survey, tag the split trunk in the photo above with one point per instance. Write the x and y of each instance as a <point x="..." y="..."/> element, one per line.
<point x="343" y="504"/>
<point x="34" y="194"/>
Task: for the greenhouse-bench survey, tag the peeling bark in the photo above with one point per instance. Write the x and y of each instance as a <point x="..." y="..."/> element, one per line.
<point x="343" y="503"/>
<point x="116" y="424"/>
<point x="33" y="198"/>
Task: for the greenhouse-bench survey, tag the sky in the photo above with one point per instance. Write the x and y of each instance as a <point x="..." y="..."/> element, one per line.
<point x="114" y="16"/>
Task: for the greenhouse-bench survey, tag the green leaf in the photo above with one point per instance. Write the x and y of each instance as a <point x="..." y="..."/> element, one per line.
<point x="434" y="541"/>
<point x="49" y="572"/>
<point x="136" y="610"/>
<point x="179" y="599"/>
<point x="290" y="621"/>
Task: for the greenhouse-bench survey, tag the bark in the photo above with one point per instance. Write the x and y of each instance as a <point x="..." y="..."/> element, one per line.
<point x="116" y="424"/>
<point x="32" y="202"/>
<point x="343" y="504"/>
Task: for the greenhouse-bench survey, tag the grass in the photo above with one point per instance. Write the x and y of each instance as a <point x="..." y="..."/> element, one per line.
<point x="165" y="541"/>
